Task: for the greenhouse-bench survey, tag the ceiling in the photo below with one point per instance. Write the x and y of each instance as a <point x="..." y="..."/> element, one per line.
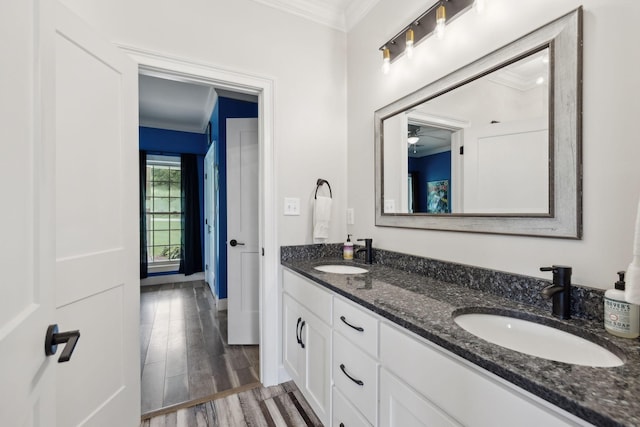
<point x="187" y="107"/>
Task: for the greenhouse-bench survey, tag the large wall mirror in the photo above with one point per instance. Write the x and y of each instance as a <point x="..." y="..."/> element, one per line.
<point x="493" y="147"/>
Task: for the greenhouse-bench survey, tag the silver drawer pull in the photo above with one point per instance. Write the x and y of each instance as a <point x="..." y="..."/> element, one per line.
<point x="357" y="328"/>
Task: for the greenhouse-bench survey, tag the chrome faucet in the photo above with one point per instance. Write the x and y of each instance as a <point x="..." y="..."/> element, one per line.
<point x="560" y="290"/>
<point x="368" y="249"/>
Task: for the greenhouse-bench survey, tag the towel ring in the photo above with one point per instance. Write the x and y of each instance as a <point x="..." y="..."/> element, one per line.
<point x="319" y="183"/>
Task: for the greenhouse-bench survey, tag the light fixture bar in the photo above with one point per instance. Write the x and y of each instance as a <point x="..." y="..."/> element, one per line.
<point x="424" y="25"/>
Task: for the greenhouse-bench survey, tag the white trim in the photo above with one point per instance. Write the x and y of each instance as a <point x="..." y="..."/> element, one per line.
<point x="221" y="304"/>
<point x="170" y="278"/>
<point x="183" y="69"/>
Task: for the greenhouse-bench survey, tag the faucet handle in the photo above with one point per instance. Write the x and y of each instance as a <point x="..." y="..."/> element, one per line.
<point x="546" y="268"/>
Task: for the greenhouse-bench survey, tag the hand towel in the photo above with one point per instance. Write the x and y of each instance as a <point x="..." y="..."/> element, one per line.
<point x="632" y="278"/>
<point x="321" y="218"/>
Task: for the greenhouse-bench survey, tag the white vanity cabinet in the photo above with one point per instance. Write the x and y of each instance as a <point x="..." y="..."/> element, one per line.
<point x="307" y="341"/>
<point x="376" y="373"/>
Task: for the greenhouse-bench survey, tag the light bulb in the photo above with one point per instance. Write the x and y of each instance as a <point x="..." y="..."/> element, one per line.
<point x="386" y="60"/>
<point x="409" y="44"/>
<point x="441" y="18"/>
<point x="413" y="139"/>
<point x="478" y="6"/>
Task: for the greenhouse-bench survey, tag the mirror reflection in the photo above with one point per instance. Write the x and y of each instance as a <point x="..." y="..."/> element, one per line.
<point x="481" y="148"/>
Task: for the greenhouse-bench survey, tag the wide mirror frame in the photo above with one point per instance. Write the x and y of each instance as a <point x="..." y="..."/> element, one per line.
<point x="564" y="38"/>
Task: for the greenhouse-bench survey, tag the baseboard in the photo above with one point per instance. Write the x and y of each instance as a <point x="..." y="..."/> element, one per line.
<point x="221" y="304"/>
<point x="171" y="278"/>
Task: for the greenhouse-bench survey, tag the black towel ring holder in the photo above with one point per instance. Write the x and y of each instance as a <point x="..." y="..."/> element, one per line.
<point x="319" y="183"/>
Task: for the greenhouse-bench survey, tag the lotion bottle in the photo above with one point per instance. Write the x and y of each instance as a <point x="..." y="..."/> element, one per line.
<point x="347" y="249"/>
<point x="620" y="317"/>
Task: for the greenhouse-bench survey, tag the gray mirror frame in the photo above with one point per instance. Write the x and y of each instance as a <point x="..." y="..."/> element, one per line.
<point x="564" y="37"/>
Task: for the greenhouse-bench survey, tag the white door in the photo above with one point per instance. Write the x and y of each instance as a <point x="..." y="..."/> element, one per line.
<point x="243" y="260"/>
<point x="209" y="219"/>
<point x="73" y="245"/>
<point x="506" y="168"/>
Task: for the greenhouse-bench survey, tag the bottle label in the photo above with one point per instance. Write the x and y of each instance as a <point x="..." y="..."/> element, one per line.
<point x="617" y="315"/>
<point x="347" y="252"/>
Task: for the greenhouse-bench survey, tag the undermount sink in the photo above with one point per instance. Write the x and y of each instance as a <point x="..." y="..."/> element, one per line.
<point x="340" y="269"/>
<point x="536" y="339"/>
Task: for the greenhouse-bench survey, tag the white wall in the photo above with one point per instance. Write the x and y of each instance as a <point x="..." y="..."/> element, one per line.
<point x="611" y="152"/>
<point x="306" y="60"/>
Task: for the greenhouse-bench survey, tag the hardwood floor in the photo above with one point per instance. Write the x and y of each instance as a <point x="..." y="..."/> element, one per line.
<point x="184" y="350"/>
<point x="278" y="406"/>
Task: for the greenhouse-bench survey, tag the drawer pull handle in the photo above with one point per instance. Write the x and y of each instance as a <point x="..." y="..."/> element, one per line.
<point x="297" y="330"/>
<point x="344" y="371"/>
<point x="301" y="328"/>
<point x="357" y="328"/>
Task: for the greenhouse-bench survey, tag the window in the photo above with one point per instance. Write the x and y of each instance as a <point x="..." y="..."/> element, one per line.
<point x="164" y="210"/>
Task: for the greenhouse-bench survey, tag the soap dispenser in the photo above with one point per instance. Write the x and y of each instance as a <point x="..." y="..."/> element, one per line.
<point x="347" y="249"/>
<point x="620" y="317"/>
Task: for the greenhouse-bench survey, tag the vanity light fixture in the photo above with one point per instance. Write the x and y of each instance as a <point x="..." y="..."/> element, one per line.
<point x="386" y="60"/>
<point x="429" y="22"/>
<point x="441" y="19"/>
<point x="409" y="42"/>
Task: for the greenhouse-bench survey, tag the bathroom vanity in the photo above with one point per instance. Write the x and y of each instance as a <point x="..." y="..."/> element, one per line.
<point x="381" y="348"/>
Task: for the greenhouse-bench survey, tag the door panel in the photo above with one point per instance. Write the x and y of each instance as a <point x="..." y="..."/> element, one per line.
<point x="243" y="261"/>
<point x="97" y="248"/>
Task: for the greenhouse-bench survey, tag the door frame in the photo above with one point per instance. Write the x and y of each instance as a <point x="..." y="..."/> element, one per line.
<point x="185" y="70"/>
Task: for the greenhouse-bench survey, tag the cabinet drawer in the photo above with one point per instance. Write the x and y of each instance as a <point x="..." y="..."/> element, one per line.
<point x="317" y="300"/>
<point x="468" y="394"/>
<point x="345" y="415"/>
<point x="355" y="375"/>
<point x="358" y="326"/>
<point x="401" y="406"/>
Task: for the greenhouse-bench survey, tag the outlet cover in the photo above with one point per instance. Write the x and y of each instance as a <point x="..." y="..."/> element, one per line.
<point x="291" y="206"/>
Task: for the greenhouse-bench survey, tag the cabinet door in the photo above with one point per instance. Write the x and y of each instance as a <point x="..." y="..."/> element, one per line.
<point x="401" y="406"/>
<point x="316" y="337"/>
<point x="292" y="351"/>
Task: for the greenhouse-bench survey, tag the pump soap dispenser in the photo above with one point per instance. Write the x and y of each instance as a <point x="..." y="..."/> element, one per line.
<point x="620" y="317"/>
<point x="347" y="249"/>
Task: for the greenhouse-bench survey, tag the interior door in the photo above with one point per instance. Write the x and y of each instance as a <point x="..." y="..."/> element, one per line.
<point x="71" y="244"/>
<point x="209" y="215"/>
<point x="242" y="231"/>
<point x="97" y="247"/>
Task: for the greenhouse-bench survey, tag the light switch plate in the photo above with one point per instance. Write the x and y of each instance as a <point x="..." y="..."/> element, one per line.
<point x="350" y="216"/>
<point x="291" y="206"/>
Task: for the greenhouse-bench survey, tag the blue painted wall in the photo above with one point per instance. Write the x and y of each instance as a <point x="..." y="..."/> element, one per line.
<point x="226" y="108"/>
<point x="435" y="167"/>
<point x="170" y="142"/>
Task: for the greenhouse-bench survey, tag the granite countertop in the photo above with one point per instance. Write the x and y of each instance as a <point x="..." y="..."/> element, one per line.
<point x="426" y="306"/>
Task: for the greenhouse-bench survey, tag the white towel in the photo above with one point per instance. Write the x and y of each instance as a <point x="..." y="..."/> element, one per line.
<point x="321" y="218"/>
<point x="632" y="278"/>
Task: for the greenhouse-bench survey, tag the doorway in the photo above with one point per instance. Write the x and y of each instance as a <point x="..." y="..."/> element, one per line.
<point x="176" y="69"/>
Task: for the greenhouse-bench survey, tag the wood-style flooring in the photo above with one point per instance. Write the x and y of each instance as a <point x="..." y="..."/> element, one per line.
<point x="184" y="350"/>
<point x="278" y="406"/>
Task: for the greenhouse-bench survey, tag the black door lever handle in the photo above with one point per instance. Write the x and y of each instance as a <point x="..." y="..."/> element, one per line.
<point x="53" y="338"/>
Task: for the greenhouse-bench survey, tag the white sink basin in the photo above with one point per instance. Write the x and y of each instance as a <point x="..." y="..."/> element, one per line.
<point x="341" y="269"/>
<point x="537" y="340"/>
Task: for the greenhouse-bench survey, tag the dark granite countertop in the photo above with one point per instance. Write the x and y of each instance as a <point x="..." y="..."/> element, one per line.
<point x="427" y="306"/>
